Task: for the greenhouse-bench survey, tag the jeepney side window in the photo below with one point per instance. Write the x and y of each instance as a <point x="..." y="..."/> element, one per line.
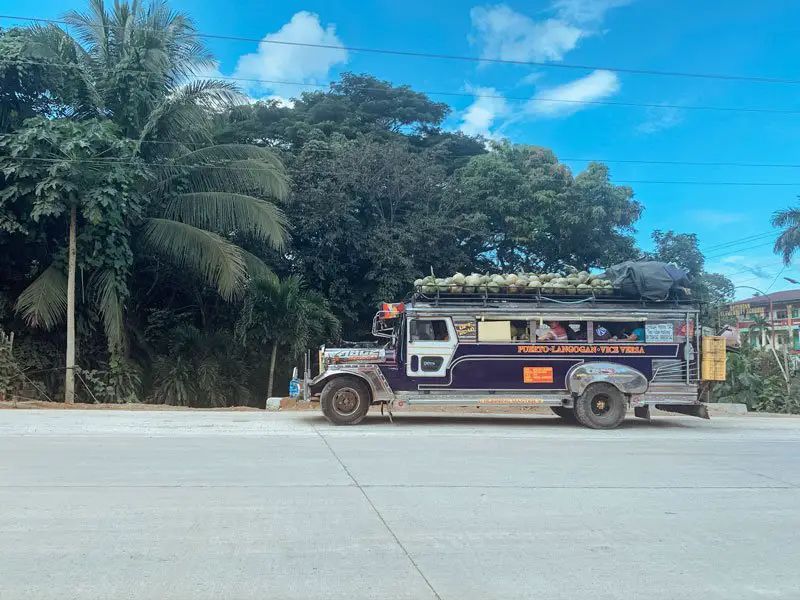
<point x="576" y="331"/>
<point x="601" y="332"/>
<point x="520" y="331"/>
<point x="494" y="331"/>
<point x="632" y="332"/>
<point x="551" y="331"/>
<point x="428" y="330"/>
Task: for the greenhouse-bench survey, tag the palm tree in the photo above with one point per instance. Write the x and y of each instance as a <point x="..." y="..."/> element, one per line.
<point x="284" y="314"/>
<point x="138" y="66"/>
<point x="761" y="326"/>
<point x="789" y="239"/>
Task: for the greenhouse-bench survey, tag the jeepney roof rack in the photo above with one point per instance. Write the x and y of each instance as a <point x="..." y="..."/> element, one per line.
<point x="486" y="298"/>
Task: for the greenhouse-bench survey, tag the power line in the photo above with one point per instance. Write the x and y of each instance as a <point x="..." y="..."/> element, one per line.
<point x="737" y="241"/>
<point x="739" y="250"/>
<point x="456" y="57"/>
<point x="460" y="94"/>
<point x="218" y="166"/>
<point x="776" y="278"/>
<point x="559" y="158"/>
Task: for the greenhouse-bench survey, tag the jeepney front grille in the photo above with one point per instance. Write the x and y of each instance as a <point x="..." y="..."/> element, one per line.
<point x="673" y="371"/>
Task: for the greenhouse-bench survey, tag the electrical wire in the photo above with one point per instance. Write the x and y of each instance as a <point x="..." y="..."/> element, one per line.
<point x="776" y="278"/>
<point x="739" y="250"/>
<point x="453" y="57"/>
<point x="560" y="158"/>
<point x="457" y="94"/>
<point x="100" y="161"/>
<point x="736" y="241"/>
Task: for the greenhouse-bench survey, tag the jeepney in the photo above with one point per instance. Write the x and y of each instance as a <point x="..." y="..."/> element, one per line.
<point x="487" y="350"/>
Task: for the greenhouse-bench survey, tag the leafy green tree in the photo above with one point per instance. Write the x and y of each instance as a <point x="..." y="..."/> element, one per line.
<point x="714" y="290"/>
<point x="201" y="368"/>
<point x="538" y="216"/>
<point x="368" y="217"/>
<point x="53" y="175"/>
<point x="283" y="314"/>
<point x="761" y="328"/>
<point x="140" y="63"/>
<point x="23" y="86"/>
<point x="134" y="68"/>
<point x="355" y="106"/>
<point x="756" y="379"/>
<point x="680" y="249"/>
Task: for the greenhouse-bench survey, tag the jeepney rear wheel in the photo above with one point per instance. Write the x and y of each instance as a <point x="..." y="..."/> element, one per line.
<point x="601" y="406"/>
<point x="566" y="413"/>
<point x="345" y="400"/>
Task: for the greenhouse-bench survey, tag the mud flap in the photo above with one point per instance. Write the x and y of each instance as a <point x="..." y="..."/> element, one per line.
<point x="693" y="410"/>
<point x="642" y="412"/>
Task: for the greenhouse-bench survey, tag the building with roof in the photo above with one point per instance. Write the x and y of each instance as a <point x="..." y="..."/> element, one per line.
<point x="760" y="327"/>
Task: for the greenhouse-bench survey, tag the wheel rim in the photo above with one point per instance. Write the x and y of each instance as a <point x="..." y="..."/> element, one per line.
<point x="345" y="401"/>
<point x="601" y="405"/>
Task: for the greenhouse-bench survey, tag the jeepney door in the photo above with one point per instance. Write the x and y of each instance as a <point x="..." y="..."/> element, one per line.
<point x="431" y="343"/>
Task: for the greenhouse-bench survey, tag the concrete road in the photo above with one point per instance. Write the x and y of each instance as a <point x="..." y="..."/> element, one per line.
<point x="212" y="505"/>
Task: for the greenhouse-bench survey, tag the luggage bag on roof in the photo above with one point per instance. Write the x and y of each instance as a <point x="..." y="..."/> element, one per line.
<point x="651" y="280"/>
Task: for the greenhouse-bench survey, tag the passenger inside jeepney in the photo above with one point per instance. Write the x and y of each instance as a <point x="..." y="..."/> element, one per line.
<point x="520" y="331"/>
<point x="601" y="333"/>
<point x="576" y="332"/>
<point x="428" y="331"/>
<point x="636" y="334"/>
<point x="631" y="332"/>
<point x="553" y="331"/>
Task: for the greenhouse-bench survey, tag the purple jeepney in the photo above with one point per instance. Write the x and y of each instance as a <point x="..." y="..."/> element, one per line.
<point x="587" y="358"/>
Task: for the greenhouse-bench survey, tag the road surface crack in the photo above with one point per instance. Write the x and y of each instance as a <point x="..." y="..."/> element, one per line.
<point x="380" y="516"/>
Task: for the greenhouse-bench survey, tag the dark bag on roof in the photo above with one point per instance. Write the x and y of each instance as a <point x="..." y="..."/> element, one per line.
<point x="650" y="280"/>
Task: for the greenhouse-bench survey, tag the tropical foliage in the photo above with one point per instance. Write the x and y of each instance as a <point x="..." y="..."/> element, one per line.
<point x="788" y="241"/>
<point x="756" y="379"/>
<point x="217" y="239"/>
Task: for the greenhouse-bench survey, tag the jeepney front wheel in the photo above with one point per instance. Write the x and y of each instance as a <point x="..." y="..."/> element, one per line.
<point x="601" y="406"/>
<point x="345" y="400"/>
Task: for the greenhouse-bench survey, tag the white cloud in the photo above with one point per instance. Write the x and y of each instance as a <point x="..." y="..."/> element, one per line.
<point x="586" y="11"/>
<point x="659" y="119"/>
<point x="279" y="62"/>
<point x="508" y="35"/>
<point x="715" y="218"/>
<point x="531" y="78"/>
<point x="569" y="98"/>
<point x="481" y="116"/>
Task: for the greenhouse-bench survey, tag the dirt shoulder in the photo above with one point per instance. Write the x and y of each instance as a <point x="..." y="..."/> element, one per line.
<point x="286" y="405"/>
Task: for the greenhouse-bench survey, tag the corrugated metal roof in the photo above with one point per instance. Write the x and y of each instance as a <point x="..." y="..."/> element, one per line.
<point x="776" y="297"/>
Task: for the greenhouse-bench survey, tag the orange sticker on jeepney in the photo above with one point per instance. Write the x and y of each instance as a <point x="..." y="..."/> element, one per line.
<point x="537" y="374"/>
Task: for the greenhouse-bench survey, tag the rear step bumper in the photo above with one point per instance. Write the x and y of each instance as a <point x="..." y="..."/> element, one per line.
<point x="693" y="410"/>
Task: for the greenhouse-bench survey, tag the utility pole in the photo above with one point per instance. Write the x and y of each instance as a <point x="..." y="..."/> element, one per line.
<point x="69" y="379"/>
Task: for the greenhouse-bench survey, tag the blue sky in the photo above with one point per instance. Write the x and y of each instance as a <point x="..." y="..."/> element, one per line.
<point x="717" y="36"/>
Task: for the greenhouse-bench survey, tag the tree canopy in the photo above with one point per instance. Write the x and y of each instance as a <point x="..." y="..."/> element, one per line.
<point x="206" y="223"/>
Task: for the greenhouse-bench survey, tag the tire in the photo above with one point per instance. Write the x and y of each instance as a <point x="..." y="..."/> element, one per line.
<point x="566" y="413"/>
<point x="601" y="406"/>
<point x="345" y="400"/>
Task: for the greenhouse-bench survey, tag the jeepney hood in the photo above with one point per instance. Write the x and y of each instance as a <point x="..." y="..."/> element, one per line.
<point x="337" y="356"/>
